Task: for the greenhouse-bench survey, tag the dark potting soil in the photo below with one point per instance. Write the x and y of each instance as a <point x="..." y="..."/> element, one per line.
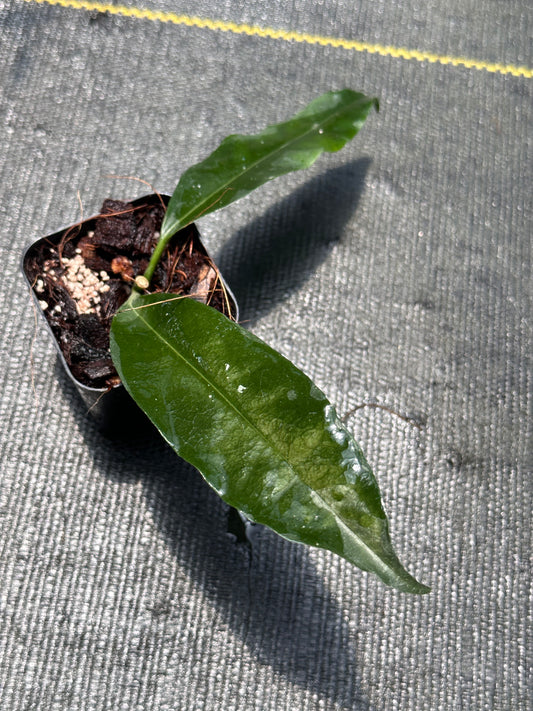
<point x="82" y="277"/>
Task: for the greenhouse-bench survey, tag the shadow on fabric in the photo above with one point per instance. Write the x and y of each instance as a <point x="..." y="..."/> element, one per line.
<point x="276" y="253"/>
<point x="271" y="597"/>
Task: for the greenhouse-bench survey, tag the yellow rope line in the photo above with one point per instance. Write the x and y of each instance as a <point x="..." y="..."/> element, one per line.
<point x="290" y="35"/>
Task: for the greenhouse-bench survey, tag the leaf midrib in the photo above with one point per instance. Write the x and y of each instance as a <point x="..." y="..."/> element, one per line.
<point x="180" y="224"/>
<point x="274" y="448"/>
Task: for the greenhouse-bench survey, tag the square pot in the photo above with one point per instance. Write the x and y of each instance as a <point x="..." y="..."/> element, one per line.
<point x="80" y="274"/>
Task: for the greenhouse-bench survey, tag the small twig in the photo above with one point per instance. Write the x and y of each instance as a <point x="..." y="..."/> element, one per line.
<point x="69" y="234"/>
<point x="225" y="294"/>
<point x="172" y="268"/>
<point x="166" y="301"/>
<point x="95" y="403"/>
<point x="139" y="180"/>
<point x="212" y="291"/>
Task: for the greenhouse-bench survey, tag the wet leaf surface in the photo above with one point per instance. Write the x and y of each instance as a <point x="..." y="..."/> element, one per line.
<point x="242" y="163"/>
<point x="261" y="433"/>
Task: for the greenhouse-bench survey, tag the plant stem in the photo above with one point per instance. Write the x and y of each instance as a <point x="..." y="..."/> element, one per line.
<point x="156" y="255"/>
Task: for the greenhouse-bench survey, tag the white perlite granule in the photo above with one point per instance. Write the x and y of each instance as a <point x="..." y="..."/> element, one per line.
<point x="85" y="286"/>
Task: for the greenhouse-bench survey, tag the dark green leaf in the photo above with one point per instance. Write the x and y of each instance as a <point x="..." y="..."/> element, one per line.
<point x="242" y="163"/>
<point x="265" y="438"/>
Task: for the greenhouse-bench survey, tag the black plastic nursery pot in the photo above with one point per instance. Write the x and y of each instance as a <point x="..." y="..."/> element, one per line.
<point x="80" y="275"/>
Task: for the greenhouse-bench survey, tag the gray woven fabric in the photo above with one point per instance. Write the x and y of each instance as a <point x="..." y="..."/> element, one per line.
<point x="396" y="272"/>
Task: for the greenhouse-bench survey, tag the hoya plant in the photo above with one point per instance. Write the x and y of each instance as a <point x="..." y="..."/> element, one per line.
<point x="255" y="426"/>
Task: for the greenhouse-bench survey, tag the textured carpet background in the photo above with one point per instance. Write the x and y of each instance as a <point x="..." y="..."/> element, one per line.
<point x="396" y="272"/>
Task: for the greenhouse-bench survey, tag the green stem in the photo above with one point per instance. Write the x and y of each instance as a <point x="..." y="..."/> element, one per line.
<point x="156" y="255"/>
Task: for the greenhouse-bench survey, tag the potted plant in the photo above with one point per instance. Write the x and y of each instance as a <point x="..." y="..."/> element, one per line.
<point x="259" y="431"/>
<point x="82" y="274"/>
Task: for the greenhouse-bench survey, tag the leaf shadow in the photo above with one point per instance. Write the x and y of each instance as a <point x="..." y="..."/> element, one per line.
<point x="277" y="252"/>
<point x="272" y="600"/>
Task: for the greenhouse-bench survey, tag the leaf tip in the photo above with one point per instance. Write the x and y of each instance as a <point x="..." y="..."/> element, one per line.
<point x="408" y="584"/>
<point x="420" y="589"/>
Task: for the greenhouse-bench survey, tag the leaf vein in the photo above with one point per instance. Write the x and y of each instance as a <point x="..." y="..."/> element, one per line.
<point x="224" y="396"/>
<point x="209" y="199"/>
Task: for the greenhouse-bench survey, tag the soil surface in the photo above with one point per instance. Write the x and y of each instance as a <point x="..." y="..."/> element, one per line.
<point x="83" y="275"/>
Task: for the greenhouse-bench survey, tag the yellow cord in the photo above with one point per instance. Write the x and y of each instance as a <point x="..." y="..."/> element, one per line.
<point x="290" y="35"/>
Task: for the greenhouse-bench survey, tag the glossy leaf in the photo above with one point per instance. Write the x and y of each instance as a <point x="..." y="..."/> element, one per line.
<point x="242" y="163"/>
<point x="264" y="437"/>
